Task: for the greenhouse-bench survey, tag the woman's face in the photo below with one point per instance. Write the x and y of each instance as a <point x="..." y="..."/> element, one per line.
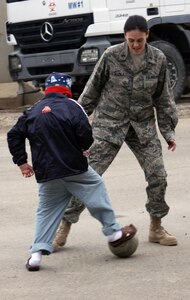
<point x="136" y="41"/>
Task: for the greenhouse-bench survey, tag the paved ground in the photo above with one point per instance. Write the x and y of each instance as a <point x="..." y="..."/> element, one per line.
<point x="85" y="269"/>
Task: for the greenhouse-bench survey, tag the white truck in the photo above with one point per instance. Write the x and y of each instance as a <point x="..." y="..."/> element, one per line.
<point x="69" y="36"/>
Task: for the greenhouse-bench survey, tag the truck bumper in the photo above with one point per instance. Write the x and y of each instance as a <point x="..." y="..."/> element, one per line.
<point x="38" y="66"/>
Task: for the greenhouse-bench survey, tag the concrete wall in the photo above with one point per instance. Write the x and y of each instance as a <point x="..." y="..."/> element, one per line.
<point x="4" y="48"/>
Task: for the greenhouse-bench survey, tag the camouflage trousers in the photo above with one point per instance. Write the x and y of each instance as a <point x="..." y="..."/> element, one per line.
<point x="149" y="156"/>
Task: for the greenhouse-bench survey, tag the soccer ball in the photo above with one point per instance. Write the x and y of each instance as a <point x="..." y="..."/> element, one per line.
<point x="126" y="249"/>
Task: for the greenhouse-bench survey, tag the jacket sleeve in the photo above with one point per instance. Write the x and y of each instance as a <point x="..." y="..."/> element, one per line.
<point x="165" y="104"/>
<point x="90" y="96"/>
<point x="16" y="142"/>
<point x="83" y="130"/>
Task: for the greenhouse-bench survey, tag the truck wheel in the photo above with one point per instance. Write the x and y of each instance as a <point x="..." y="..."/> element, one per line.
<point x="176" y="66"/>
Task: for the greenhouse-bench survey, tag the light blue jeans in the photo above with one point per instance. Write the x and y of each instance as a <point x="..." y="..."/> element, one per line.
<point x="54" y="197"/>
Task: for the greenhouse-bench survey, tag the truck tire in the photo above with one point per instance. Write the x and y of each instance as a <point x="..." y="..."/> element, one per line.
<point x="176" y="66"/>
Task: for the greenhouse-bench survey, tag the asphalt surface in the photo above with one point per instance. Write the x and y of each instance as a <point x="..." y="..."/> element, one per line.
<point x="85" y="269"/>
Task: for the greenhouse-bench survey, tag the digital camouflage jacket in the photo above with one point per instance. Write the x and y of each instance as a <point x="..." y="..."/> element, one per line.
<point x="121" y="96"/>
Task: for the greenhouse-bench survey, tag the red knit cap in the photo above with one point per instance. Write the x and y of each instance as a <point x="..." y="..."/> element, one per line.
<point x="59" y="89"/>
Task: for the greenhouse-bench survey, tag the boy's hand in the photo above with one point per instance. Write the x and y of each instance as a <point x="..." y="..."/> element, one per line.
<point x="85" y="153"/>
<point x="26" y="170"/>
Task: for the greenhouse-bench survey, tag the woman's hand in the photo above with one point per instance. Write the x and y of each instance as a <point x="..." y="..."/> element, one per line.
<point x="172" y="145"/>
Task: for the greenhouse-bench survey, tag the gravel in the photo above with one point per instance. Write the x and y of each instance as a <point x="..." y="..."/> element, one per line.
<point x="9" y="117"/>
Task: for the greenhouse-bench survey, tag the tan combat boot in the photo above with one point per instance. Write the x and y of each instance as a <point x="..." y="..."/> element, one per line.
<point x="158" y="234"/>
<point x="61" y="235"/>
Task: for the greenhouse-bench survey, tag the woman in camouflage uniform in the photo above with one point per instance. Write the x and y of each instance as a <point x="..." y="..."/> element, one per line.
<point x="127" y="90"/>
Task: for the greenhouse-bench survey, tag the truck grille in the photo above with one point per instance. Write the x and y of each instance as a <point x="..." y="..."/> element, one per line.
<point x="68" y="33"/>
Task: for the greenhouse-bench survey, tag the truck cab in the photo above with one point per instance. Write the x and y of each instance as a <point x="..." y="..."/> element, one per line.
<point x="70" y="36"/>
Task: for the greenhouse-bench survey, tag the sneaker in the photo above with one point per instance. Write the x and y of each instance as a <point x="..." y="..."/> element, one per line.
<point x="31" y="268"/>
<point x="128" y="233"/>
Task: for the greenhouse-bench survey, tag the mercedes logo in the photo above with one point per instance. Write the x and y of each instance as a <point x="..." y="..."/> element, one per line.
<point x="46" y="32"/>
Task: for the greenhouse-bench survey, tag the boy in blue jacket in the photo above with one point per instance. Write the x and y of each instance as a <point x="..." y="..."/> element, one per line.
<point x="59" y="132"/>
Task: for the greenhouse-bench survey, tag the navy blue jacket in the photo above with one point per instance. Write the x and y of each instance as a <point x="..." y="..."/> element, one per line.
<point x="57" y="139"/>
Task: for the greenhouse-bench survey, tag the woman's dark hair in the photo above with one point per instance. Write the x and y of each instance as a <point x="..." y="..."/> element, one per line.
<point x="136" y="22"/>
